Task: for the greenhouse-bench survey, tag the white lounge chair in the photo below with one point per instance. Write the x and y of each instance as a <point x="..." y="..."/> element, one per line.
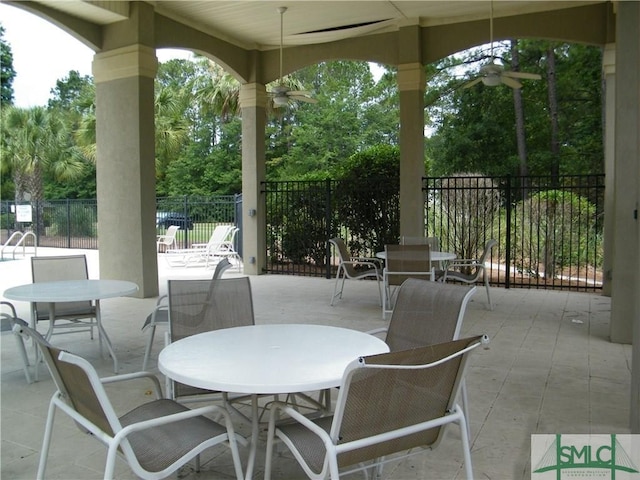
<point x="202" y="254"/>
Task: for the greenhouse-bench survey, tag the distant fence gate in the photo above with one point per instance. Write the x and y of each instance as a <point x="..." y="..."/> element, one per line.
<point x="549" y="229"/>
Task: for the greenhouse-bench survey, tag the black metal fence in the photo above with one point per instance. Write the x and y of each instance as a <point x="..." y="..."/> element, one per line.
<point x="549" y="229"/>
<point x="73" y="223"/>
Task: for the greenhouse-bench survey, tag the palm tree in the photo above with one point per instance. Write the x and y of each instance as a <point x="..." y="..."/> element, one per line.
<point x="35" y="142"/>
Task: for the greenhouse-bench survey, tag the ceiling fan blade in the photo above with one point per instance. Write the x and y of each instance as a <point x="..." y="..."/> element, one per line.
<point x="510" y="82"/>
<point x="298" y="92"/>
<point x="303" y="98"/>
<point x="472" y="83"/>
<point x="525" y="75"/>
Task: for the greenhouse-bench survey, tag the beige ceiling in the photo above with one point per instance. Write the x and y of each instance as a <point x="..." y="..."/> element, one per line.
<point x="256" y="24"/>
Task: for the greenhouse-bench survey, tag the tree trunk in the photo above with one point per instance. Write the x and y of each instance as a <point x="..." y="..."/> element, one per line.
<point x="553" y="112"/>
<point x="37" y="196"/>
<point x="519" y="111"/>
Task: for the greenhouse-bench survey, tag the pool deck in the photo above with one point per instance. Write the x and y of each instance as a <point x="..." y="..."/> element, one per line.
<point x="550" y="369"/>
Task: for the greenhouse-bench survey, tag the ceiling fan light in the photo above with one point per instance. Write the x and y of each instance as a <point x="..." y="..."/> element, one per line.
<point x="491" y="81"/>
<point x="280" y="101"/>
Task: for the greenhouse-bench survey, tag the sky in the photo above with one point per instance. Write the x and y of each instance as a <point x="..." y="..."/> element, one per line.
<point x="39" y="64"/>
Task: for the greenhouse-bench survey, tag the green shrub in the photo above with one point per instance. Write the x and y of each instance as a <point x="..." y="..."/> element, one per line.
<point x="560" y="234"/>
<point x="82" y="224"/>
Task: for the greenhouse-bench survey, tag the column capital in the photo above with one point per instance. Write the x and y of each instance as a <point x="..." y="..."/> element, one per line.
<point x="126" y="62"/>
<point x="411" y="76"/>
<point x="253" y="95"/>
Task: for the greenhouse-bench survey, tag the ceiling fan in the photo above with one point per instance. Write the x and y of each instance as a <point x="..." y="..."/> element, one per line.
<point x="281" y="93"/>
<point x="493" y="74"/>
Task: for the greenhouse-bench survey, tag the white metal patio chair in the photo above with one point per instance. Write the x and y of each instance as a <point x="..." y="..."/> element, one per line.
<point x="354" y="268"/>
<point x="155" y="438"/>
<point x="197" y="306"/>
<point x="434" y="246"/>
<point x="402" y="262"/>
<point x="428" y="313"/>
<point x="388" y="403"/>
<point x="472" y="270"/>
<point x="75" y="316"/>
<point x="17" y="325"/>
<point x="160" y="314"/>
<point x="168" y="239"/>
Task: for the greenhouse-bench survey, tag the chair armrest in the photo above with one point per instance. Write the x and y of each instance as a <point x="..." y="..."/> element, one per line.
<point x="464" y="263"/>
<point x="298" y="417"/>
<point x="134" y="376"/>
<point x="367" y="259"/>
<point x="370" y="262"/>
<point x="175" y="417"/>
<point x="160" y="305"/>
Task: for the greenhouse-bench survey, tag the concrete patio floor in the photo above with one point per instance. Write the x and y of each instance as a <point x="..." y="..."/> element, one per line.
<point x="550" y="368"/>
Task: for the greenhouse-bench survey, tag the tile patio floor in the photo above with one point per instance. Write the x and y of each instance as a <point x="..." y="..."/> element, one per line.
<point x="549" y="369"/>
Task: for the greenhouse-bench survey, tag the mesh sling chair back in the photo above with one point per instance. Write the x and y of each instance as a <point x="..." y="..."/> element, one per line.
<point x="354" y="268"/>
<point x="155" y="438"/>
<point x="77" y="316"/>
<point x="387" y="403"/>
<point x="433" y="242"/>
<point x="428" y="313"/>
<point x="472" y="270"/>
<point x="402" y="262"/>
<point x="198" y="306"/>
<point x="160" y="314"/>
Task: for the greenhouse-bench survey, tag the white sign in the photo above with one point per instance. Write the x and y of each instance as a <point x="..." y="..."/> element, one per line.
<point x="23" y="213"/>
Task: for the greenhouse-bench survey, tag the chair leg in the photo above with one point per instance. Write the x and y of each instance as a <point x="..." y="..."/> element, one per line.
<point x="25" y="359"/>
<point x="335" y="287"/>
<point x="46" y="442"/>
<point x="465" y="409"/>
<point x="466" y="448"/>
<point x="147" y="351"/>
<point x="486" y="284"/>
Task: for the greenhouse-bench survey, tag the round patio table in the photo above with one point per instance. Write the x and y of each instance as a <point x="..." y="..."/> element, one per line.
<point x="74" y="291"/>
<point x="266" y="359"/>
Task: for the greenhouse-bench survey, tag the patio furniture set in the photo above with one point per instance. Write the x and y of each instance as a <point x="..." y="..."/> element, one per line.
<point x="215" y="353"/>
<point x="414" y="257"/>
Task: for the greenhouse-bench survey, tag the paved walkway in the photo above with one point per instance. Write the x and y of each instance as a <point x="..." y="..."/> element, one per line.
<point x="549" y="369"/>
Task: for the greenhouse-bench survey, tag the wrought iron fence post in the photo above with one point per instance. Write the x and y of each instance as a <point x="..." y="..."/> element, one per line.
<point x="508" y="194"/>
<point x="68" y="223"/>
<point x="329" y="223"/>
<point x="186" y="223"/>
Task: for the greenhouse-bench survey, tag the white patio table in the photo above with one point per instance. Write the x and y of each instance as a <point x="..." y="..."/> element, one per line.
<point x="266" y="359"/>
<point x="74" y="291"/>
<point x="436" y="256"/>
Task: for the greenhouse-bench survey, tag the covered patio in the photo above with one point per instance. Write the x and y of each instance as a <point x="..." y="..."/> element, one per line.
<point x="550" y="368"/>
<point x="243" y="37"/>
